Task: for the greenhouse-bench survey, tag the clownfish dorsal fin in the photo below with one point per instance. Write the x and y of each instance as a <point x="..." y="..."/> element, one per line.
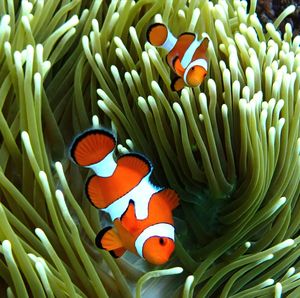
<point x="186" y="38"/>
<point x="178" y="66"/>
<point x="171" y="197"/>
<point x="177" y="84"/>
<point x="109" y="240"/>
<point x="134" y="165"/>
<point x="94" y="149"/>
<point x="204" y="44"/>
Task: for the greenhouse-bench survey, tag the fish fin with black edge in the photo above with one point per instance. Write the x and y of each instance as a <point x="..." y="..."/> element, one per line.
<point x="177" y="84"/>
<point x="109" y="240"/>
<point x="157" y="34"/>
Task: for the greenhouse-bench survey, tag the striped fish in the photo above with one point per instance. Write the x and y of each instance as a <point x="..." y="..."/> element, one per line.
<point x="141" y="212"/>
<point x="186" y="55"/>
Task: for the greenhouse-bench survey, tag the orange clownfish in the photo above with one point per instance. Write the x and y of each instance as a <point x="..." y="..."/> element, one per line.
<point x="141" y="211"/>
<point x="187" y="55"/>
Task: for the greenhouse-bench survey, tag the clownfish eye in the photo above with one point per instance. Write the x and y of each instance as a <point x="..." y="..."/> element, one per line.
<point x="161" y="241"/>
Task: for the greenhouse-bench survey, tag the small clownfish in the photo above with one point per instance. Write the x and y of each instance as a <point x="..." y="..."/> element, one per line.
<point x="187" y="55"/>
<point x="141" y="211"/>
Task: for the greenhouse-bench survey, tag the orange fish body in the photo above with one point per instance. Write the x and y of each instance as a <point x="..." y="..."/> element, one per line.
<point x="186" y="57"/>
<point x="141" y="212"/>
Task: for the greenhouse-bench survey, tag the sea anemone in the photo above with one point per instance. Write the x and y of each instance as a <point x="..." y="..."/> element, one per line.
<point x="230" y="148"/>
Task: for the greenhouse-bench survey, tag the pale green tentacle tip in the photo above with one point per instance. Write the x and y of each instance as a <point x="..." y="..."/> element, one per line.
<point x="85" y="41"/>
<point x="72" y="22"/>
<point x="32" y="257"/>
<point x="39" y="232"/>
<point x="266" y="258"/>
<point x="41" y="235"/>
<point x="5" y="20"/>
<point x="278" y="204"/>
<point x="158" y="18"/>
<point x="278" y="290"/>
<point x="10" y="293"/>
<point x="156" y="273"/>
<point x="95" y="121"/>
<point x="63" y="207"/>
<point x="7" y="48"/>
<point x="187" y="289"/>
<point x="224" y="109"/>
<point x="267" y="283"/>
<point x="95" y="25"/>
<point x="290" y="272"/>
<point x="285" y="244"/>
<point x="27" y="6"/>
<point x="24" y="136"/>
<point x="25" y="22"/>
<point x="60" y="197"/>
<point x="6" y="245"/>
<point x="26" y="141"/>
<point x="247" y="244"/>
<point x="59" y="167"/>
<point x="121" y="149"/>
<point x="43" y="177"/>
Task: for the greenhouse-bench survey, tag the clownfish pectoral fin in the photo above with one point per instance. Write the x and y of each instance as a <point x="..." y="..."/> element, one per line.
<point x="109" y="240"/>
<point x="177" y="66"/>
<point x="157" y="34"/>
<point x="128" y="219"/>
<point x="92" y="146"/>
<point x="171" y="197"/>
<point x="177" y="84"/>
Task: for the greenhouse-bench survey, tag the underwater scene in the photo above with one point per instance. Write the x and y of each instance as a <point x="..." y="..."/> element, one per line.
<point x="150" y="148"/>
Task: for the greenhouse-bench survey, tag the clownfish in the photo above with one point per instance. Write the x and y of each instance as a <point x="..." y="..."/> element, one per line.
<point x="186" y="57"/>
<point x="140" y="211"/>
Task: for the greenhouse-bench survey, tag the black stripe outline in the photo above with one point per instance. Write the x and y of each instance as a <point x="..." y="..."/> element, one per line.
<point x="82" y="135"/>
<point x="138" y="155"/>
<point x="187" y="33"/>
<point x="151" y="27"/>
<point x="173" y="84"/>
<point x="100" y="236"/>
<point x="86" y="191"/>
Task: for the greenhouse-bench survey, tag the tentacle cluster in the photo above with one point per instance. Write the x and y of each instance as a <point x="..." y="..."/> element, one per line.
<point x="230" y="148"/>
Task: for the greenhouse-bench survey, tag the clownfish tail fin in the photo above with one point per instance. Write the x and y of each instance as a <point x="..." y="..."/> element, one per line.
<point x="109" y="240"/>
<point x="204" y="44"/>
<point x="159" y="35"/>
<point x="94" y="149"/>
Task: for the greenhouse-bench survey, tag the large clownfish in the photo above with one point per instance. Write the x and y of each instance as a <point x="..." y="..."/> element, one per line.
<point x="141" y="211"/>
<point x="186" y="57"/>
